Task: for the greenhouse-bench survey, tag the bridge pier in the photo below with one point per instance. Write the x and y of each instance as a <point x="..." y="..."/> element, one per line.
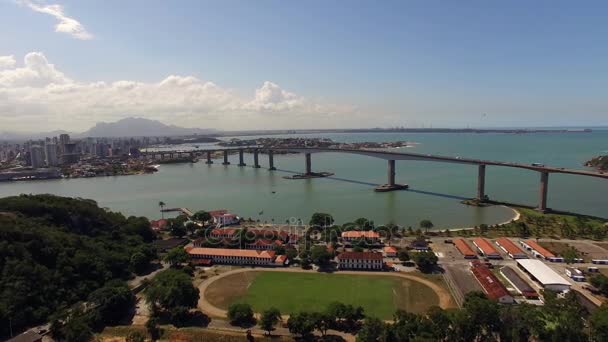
<point x="209" y="161"/>
<point x="162" y="156"/>
<point x="391" y="185"/>
<point x="241" y="159"/>
<point x="308" y="165"/>
<point x="481" y="182"/>
<point x="256" y="162"/>
<point x="226" y="162"/>
<point x="271" y="161"/>
<point x="544" y="186"/>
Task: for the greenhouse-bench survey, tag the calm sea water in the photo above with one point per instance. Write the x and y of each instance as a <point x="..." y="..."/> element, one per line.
<point x="436" y="189"/>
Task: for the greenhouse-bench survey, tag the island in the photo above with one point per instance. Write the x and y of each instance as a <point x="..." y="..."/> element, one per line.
<point x="600" y="163"/>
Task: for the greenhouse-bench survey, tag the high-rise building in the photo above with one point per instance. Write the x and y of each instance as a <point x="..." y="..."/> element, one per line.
<point x="51" y="154"/>
<point x="37" y="156"/>
<point x="70" y="154"/>
<point x="63" y="140"/>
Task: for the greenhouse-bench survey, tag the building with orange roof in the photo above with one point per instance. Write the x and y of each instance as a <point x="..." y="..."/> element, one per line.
<point x="233" y="256"/>
<point x="486" y="248"/>
<point x="264" y="244"/>
<point x="540" y="251"/>
<point x="227" y="233"/>
<point x="368" y="235"/>
<point x="281" y="260"/>
<point x="511" y="248"/>
<point x="464" y="248"/>
<point x="490" y="283"/>
<point x="390" y="251"/>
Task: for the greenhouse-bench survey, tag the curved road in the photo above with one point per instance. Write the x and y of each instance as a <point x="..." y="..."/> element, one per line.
<point x="445" y="298"/>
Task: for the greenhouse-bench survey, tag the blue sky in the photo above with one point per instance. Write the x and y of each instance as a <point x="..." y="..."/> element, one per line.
<point x="286" y="64"/>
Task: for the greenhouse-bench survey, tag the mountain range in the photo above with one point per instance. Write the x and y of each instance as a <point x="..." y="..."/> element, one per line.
<point x="129" y="127"/>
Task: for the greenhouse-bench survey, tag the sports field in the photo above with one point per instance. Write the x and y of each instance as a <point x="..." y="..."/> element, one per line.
<point x="291" y="292"/>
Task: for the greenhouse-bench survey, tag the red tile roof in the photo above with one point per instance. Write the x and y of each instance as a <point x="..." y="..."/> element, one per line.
<point x="390" y="249"/>
<point x="223" y="232"/>
<point x="281" y="259"/>
<point x="493" y="287"/>
<point x="485" y="246"/>
<point x="360" y="256"/>
<point x="464" y="248"/>
<point x="509" y="246"/>
<point x="250" y="253"/>
<point x="219" y="212"/>
<point x="158" y="224"/>
<point x="540" y="249"/>
<point x="360" y="234"/>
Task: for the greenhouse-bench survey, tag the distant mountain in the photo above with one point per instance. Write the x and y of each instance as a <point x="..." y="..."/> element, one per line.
<point x="140" y="127"/>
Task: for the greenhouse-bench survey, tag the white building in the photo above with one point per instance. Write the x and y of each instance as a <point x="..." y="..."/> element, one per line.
<point x="360" y="260"/>
<point x="37" y="156"/>
<point x="544" y="275"/>
<point x="51" y="154"/>
<point x="233" y="256"/>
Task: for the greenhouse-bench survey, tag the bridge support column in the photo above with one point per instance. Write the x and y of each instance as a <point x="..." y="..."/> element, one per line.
<point x="481" y="183"/>
<point x="308" y="164"/>
<point x="544" y="186"/>
<point x="226" y="162"/>
<point x="241" y="160"/>
<point x="162" y="156"/>
<point x="209" y="161"/>
<point x="271" y="161"/>
<point x="256" y="162"/>
<point x="391" y="185"/>
<point x="391" y="173"/>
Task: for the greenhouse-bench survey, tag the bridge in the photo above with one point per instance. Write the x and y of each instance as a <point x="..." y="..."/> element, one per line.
<point x="391" y="157"/>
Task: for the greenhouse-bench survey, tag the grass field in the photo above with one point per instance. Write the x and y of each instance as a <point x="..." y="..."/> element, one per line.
<point x="292" y="292"/>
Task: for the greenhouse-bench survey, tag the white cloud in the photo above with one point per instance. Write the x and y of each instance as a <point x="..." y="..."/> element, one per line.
<point x="65" y="24"/>
<point x="37" y="93"/>
<point x="7" y="62"/>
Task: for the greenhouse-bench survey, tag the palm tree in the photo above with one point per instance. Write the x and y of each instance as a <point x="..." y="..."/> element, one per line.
<point x="161" y="204"/>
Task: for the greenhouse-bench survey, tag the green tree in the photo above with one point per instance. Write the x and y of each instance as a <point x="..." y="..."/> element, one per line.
<point x="241" y="314"/>
<point x="302" y="323"/>
<point x="170" y="289"/>
<point x="176" y="256"/>
<point x="162" y="204"/>
<point x="269" y="319"/>
<point x="153" y="329"/>
<point x="598" y="323"/>
<point x="321" y="220"/>
<point x="139" y="262"/>
<point x="135" y="336"/>
<point x="201" y="216"/>
<point x="426" y="225"/>
<point x="113" y="301"/>
<point x="373" y="330"/>
<point x="403" y="255"/>
<point x="426" y="261"/>
<point x="570" y="254"/>
<point x="320" y="255"/>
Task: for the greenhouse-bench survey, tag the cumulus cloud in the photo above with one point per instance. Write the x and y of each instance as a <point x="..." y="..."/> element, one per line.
<point x="7" y="62"/>
<point x="65" y="24"/>
<point x="38" y="92"/>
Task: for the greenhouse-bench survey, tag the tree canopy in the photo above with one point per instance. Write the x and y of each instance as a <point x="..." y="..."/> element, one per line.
<point x="55" y="251"/>
<point x="171" y="289"/>
<point x="321" y="220"/>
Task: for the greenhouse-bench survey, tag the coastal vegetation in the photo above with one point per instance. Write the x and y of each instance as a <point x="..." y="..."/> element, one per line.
<point x="599" y="162"/>
<point x="57" y="251"/>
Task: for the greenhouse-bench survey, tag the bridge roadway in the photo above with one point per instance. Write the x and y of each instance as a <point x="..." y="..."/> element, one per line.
<point x="391" y="157"/>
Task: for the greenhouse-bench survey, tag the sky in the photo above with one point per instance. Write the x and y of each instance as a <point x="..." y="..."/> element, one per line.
<point x="262" y="64"/>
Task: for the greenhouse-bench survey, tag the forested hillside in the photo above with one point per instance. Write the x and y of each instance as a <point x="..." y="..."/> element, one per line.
<point x="56" y="251"/>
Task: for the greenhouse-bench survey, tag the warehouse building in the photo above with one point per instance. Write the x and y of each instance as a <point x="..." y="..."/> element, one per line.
<point x="540" y="251"/>
<point x="485" y="247"/>
<point x="490" y="283"/>
<point x="544" y="275"/>
<point x="511" y="248"/>
<point x="464" y="248"/>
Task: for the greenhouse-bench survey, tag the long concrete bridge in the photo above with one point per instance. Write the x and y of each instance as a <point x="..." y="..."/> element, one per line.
<point x="391" y="157"/>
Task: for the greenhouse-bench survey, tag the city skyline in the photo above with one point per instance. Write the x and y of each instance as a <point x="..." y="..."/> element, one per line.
<point x="238" y="65"/>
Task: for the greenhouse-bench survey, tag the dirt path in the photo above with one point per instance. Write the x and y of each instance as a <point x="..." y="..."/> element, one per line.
<point x="445" y="298"/>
